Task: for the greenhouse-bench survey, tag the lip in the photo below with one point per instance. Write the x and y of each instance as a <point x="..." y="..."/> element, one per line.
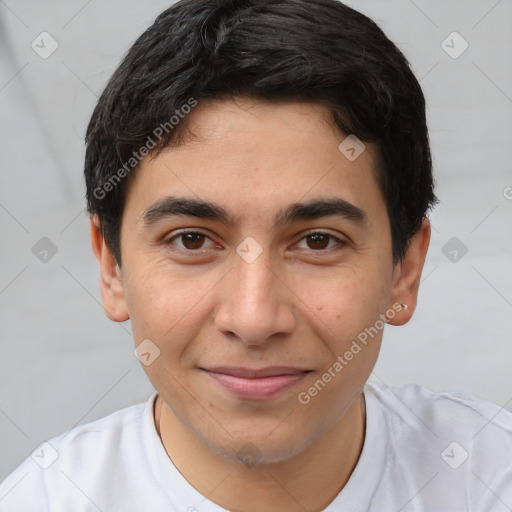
<point x="256" y="384"/>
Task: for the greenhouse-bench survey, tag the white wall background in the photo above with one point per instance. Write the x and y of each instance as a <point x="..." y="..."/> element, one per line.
<point x="63" y="363"/>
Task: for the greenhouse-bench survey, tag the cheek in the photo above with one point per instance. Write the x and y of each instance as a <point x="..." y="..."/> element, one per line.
<point x="345" y="302"/>
<point x="168" y="305"/>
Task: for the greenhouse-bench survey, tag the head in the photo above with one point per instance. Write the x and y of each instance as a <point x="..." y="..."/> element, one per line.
<point x="258" y="178"/>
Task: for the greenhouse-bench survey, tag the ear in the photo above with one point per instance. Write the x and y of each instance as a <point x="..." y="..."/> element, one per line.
<point x="111" y="283"/>
<point x="407" y="275"/>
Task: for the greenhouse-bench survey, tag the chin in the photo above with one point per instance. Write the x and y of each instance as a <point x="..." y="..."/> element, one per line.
<point x="252" y="450"/>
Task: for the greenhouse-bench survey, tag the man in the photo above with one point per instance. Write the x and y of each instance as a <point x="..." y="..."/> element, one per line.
<point x="259" y="177"/>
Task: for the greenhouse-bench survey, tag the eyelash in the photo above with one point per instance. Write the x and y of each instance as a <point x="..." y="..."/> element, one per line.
<point x="340" y="243"/>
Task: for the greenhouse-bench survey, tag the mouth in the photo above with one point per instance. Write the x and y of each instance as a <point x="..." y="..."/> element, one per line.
<point x="256" y="384"/>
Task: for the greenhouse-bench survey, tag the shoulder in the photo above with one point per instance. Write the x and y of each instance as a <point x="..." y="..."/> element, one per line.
<point x="96" y="440"/>
<point x="459" y="429"/>
<point x="452" y="446"/>
<point x="453" y="410"/>
<point x="94" y="448"/>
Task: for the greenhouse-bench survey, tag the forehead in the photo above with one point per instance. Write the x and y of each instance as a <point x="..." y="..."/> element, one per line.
<point x="258" y="157"/>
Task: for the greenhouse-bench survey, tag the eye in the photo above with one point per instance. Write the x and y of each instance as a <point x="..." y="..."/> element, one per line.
<point x="319" y="241"/>
<point x="191" y="240"/>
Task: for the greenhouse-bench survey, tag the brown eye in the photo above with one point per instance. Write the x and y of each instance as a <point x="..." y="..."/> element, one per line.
<point x="318" y="241"/>
<point x="321" y="242"/>
<point x="190" y="240"/>
<point x="193" y="240"/>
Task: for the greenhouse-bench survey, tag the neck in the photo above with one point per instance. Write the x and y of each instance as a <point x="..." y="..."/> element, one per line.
<point x="308" y="481"/>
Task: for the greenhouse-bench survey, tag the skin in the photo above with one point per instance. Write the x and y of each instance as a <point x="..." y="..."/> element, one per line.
<point x="299" y="304"/>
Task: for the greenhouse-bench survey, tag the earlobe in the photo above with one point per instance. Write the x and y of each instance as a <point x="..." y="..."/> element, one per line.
<point x="111" y="281"/>
<point x="407" y="276"/>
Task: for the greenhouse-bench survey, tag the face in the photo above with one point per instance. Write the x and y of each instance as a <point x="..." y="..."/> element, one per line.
<point x="280" y="271"/>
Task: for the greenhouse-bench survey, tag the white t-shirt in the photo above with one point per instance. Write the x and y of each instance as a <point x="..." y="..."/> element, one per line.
<point x="423" y="451"/>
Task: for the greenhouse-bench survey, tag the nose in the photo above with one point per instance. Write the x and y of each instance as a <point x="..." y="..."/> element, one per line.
<point x="255" y="305"/>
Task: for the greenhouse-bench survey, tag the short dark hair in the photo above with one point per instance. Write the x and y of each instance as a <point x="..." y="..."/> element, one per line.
<point x="277" y="50"/>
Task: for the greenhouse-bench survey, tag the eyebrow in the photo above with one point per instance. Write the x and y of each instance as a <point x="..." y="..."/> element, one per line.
<point x="172" y="206"/>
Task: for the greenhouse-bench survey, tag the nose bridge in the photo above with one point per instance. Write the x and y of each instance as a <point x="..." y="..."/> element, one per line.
<point x="252" y="274"/>
<point x="255" y="305"/>
<point x="254" y="280"/>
